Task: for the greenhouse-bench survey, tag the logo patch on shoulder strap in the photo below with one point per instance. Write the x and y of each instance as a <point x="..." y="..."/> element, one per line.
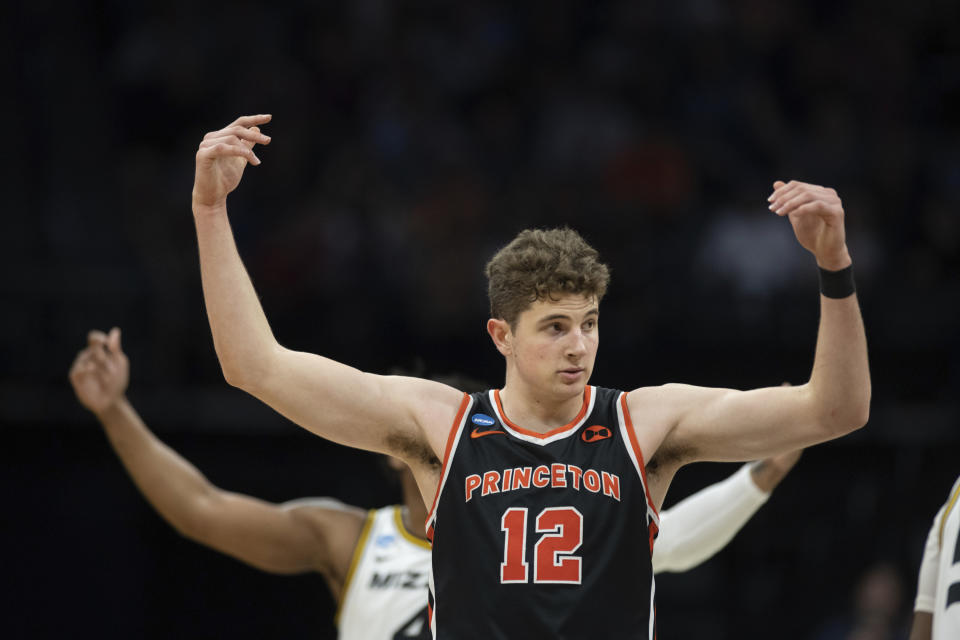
<point x="595" y="433"/>
<point x="385" y="540"/>
<point x="482" y="420"/>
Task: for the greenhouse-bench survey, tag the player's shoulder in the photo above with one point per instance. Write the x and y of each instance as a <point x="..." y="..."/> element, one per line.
<point x="665" y="403"/>
<point x="434" y="407"/>
<point x="326" y="511"/>
<point x="426" y="391"/>
<point x="950" y="506"/>
<point x="956" y="487"/>
<point x="660" y="395"/>
<point x="334" y="528"/>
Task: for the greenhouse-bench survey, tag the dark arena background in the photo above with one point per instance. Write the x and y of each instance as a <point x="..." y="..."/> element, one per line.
<point x="411" y="139"/>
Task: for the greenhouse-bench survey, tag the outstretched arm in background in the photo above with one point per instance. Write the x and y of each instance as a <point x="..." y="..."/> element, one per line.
<point x="406" y="417"/>
<point x="287" y="538"/>
<point x="696" y="528"/>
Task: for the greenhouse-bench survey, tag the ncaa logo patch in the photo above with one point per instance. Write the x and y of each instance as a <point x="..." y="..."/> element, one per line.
<point x="482" y="420"/>
<point x="385" y="540"/>
<point x="595" y="433"/>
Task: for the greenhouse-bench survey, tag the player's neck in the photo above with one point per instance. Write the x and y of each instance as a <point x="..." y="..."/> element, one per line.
<point x="415" y="513"/>
<point x="539" y="412"/>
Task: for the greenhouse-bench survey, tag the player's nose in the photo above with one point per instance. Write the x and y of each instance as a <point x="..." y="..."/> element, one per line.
<point x="577" y="345"/>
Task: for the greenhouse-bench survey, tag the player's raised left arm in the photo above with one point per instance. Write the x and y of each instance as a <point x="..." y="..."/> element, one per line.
<point x="839" y="386"/>
<point x="725" y="424"/>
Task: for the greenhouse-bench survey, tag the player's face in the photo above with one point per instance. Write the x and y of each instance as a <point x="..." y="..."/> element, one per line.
<point x="555" y="343"/>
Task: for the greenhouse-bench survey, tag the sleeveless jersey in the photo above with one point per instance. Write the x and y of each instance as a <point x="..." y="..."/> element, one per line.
<point x="542" y="535"/>
<point x="946" y="612"/>
<point x="385" y="591"/>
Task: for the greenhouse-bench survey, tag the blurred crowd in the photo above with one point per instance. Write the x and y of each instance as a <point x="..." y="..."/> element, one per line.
<point x="412" y="138"/>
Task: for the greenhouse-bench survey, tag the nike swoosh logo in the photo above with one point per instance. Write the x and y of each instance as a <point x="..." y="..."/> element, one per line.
<point x="476" y="433"/>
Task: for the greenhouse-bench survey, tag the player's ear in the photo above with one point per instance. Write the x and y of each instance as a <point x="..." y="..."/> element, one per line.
<point x="501" y="335"/>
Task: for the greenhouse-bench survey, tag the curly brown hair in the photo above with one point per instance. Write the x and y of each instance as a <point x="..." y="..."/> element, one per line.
<point x="540" y="264"/>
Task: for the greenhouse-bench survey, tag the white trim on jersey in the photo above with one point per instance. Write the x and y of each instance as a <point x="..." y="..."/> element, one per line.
<point x="625" y="436"/>
<point x="432" y="517"/>
<point x="566" y="433"/>
<point x="653" y="607"/>
<point x="447" y="463"/>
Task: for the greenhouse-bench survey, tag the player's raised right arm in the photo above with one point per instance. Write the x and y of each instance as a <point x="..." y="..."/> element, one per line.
<point x="241" y="333"/>
<point x="335" y="401"/>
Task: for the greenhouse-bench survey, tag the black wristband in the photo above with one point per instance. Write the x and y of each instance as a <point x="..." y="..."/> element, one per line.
<point x="837" y="284"/>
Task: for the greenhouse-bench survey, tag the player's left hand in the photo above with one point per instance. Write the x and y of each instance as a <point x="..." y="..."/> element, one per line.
<point x="100" y="373"/>
<point x="816" y="214"/>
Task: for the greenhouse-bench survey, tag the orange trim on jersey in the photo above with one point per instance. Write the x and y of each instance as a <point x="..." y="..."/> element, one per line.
<point x="446" y="457"/>
<point x="631" y="434"/>
<point x="354" y="561"/>
<point x="552" y="432"/>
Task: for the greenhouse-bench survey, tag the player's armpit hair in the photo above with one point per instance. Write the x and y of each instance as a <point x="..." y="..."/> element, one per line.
<point x="408" y="448"/>
<point x="760" y="466"/>
<point x="667" y="455"/>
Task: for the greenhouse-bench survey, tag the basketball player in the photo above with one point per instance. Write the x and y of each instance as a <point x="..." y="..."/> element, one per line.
<point x="937" y="609"/>
<point x="544" y="487"/>
<point x="375" y="562"/>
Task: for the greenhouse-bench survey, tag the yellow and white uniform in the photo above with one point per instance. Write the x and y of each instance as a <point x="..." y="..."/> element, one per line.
<point x="938" y="591"/>
<point x="696" y="528"/>
<point x="385" y="592"/>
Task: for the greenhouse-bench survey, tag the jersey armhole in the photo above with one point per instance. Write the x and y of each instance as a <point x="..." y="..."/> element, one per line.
<point x="452" y="439"/>
<point x="354" y="562"/>
<point x="633" y="450"/>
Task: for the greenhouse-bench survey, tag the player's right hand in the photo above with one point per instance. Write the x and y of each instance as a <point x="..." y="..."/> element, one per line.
<point x="222" y="157"/>
<point x="100" y="372"/>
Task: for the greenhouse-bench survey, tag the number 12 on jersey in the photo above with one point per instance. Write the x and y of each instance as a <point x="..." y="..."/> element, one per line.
<point x="553" y="562"/>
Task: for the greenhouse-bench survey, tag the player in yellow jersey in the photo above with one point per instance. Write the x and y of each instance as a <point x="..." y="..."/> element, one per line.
<point x="374" y="562"/>
<point x="937" y="608"/>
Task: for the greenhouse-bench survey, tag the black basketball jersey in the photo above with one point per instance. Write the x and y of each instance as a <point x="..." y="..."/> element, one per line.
<point x="542" y="535"/>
